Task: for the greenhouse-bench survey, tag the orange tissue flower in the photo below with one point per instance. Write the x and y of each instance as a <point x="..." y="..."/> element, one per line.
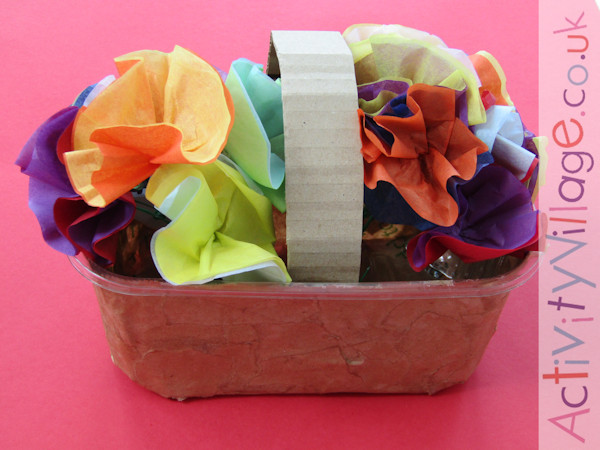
<point x="165" y="108"/>
<point x="428" y="148"/>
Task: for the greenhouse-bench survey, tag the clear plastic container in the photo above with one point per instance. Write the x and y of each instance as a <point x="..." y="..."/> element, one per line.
<point x="251" y="338"/>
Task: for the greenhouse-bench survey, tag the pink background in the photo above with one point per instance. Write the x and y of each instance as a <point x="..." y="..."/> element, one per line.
<point x="58" y="387"/>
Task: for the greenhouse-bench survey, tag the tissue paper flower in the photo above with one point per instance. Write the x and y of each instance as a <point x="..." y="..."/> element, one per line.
<point x="516" y="148"/>
<point x="496" y="218"/>
<point x="220" y="228"/>
<point x="163" y="109"/>
<point x="504" y="135"/>
<point x="68" y="224"/>
<point x="394" y="52"/>
<point x="255" y="142"/>
<point x="491" y="77"/>
<point x="430" y="145"/>
<point x="388" y="97"/>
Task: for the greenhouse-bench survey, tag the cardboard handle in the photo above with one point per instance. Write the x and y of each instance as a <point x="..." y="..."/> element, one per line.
<point x="323" y="164"/>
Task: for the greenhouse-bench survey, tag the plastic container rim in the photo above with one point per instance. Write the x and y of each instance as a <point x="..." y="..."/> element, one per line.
<point x="392" y="290"/>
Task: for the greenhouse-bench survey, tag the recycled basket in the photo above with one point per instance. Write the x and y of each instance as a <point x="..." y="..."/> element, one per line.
<point x="323" y="336"/>
<point x="257" y="338"/>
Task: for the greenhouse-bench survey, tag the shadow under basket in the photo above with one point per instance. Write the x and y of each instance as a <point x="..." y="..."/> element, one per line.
<point x="300" y="338"/>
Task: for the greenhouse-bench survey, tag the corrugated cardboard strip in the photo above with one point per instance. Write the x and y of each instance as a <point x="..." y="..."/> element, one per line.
<point x="323" y="163"/>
